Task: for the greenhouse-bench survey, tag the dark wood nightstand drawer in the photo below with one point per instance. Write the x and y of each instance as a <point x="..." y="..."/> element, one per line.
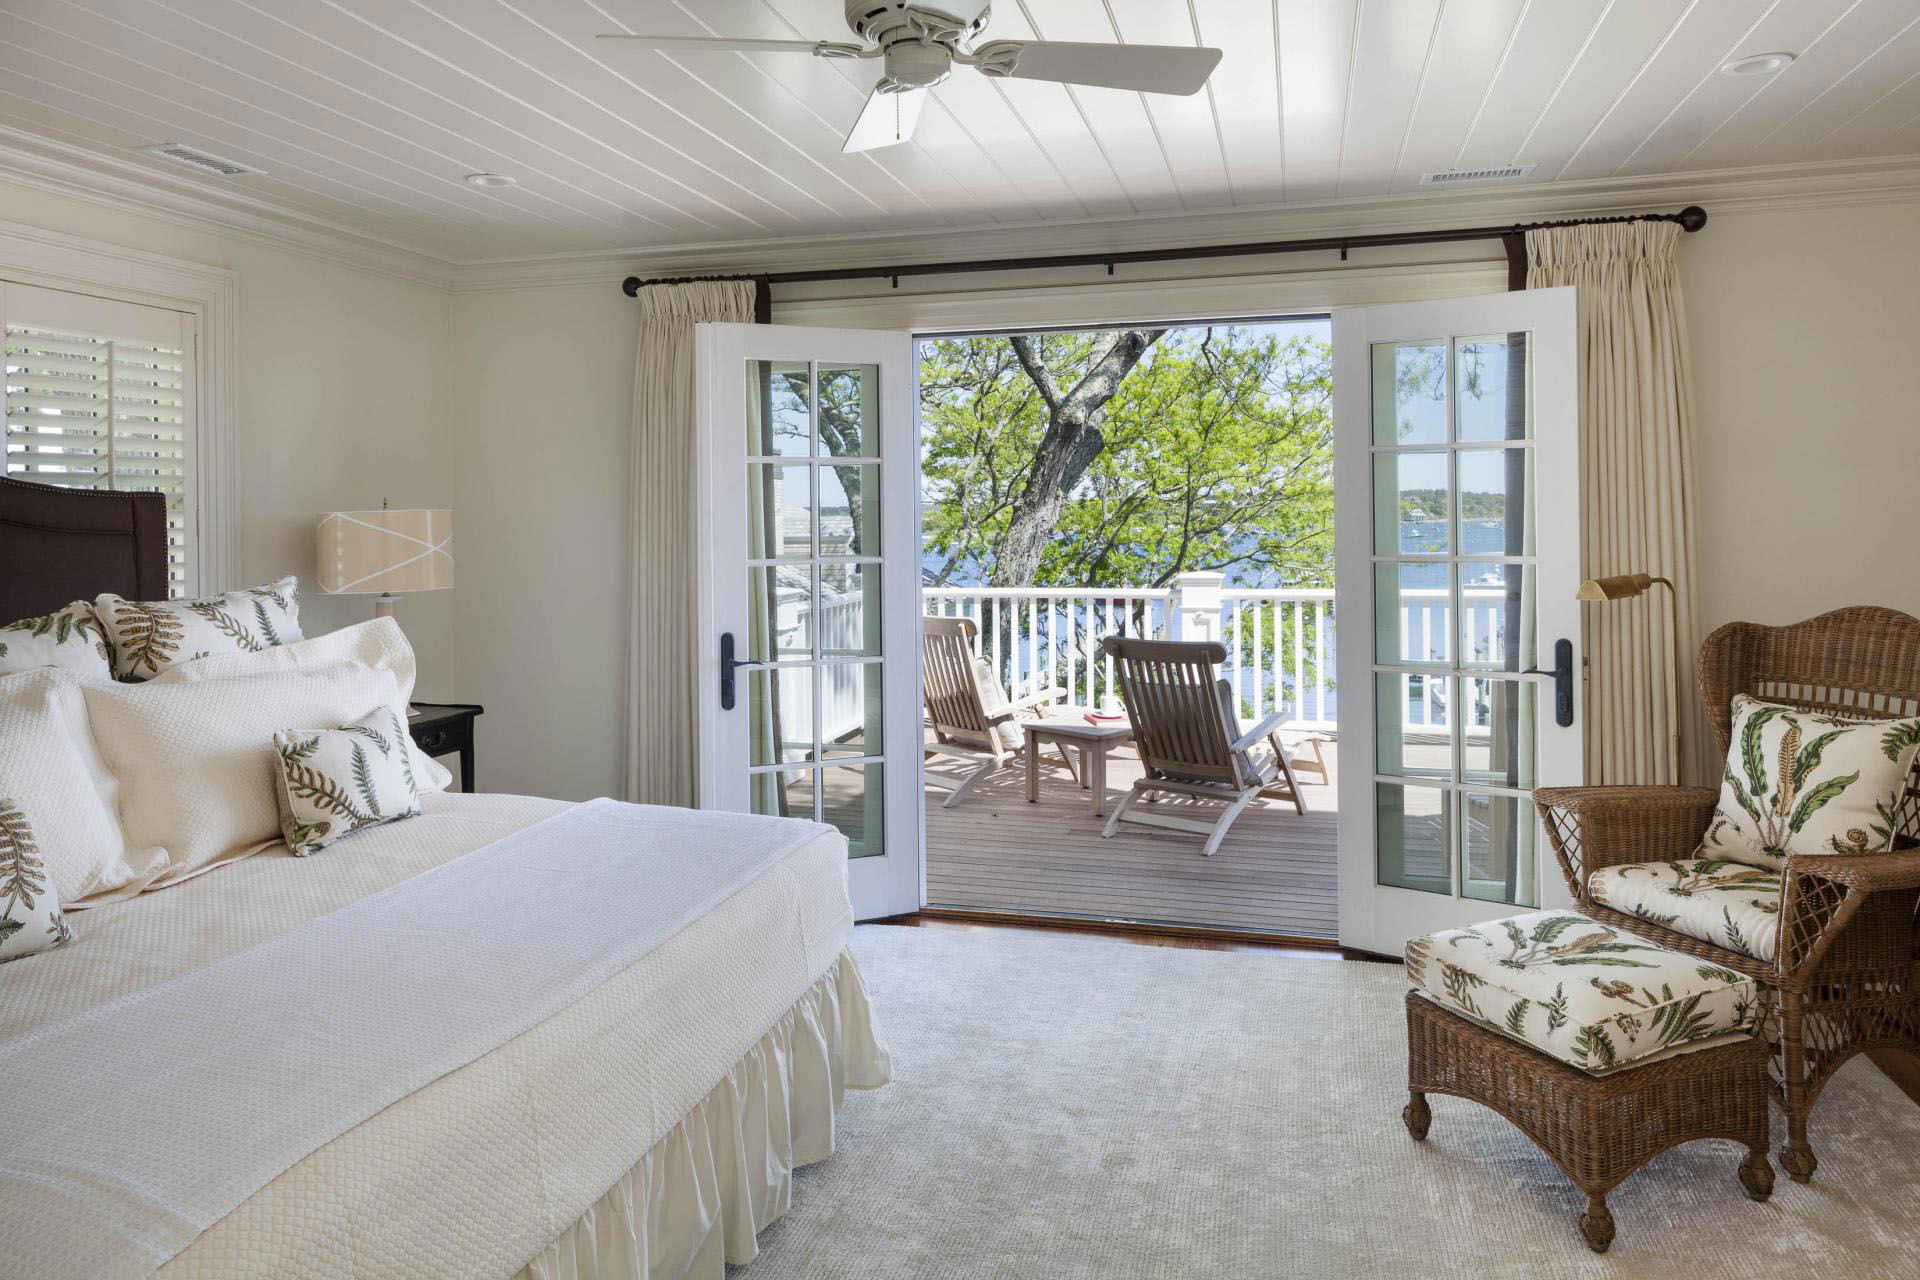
<point x="444" y="729"/>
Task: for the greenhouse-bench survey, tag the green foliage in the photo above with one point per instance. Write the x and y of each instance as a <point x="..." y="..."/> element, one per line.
<point x="1215" y="453"/>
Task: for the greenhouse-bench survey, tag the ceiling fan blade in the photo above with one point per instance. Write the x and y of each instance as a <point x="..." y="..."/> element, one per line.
<point x="888" y="118"/>
<point x="716" y="44"/>
<point x="1146" y="68"/>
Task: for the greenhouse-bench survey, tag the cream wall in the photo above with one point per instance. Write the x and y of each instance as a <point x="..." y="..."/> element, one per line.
<point x="343" y="397"/>
<point x="1804" y="328"/>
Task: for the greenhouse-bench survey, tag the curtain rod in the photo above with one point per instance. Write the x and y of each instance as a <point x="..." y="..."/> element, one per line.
<point x="1691" y="218"/>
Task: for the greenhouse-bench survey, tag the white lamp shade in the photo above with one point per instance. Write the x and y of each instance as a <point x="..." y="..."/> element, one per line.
<point x="381" y="552"/>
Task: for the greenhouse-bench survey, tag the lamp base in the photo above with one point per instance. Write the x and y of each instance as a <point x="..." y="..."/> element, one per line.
<point x="383" y="605"/>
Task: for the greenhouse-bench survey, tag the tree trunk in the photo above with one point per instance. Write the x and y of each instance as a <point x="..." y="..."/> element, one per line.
<point x="1068" y="447"/>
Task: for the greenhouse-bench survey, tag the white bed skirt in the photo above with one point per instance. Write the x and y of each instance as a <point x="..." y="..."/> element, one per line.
<point x="697" y="1200"/>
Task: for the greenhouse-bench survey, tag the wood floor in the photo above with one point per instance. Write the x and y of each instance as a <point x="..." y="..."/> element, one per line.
<point x="1274" y="874"/>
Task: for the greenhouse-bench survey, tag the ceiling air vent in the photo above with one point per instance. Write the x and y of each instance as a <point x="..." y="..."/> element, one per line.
<point x="1499" y="173"/>
<point x="199" y="160"/>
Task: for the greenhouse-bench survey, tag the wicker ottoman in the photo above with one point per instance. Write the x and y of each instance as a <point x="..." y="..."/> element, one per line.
<point x="1604" y="1072"/>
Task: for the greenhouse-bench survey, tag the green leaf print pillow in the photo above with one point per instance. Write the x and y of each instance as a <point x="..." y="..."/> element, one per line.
<point x="333" y="782"/>
<point x="1803" y="783"/>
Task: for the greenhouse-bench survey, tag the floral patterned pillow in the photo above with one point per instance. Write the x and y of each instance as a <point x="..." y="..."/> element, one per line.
<point x="149" y="636"/>
<point x="1803" y="783"/>
<point x="334" y="782"/>
<point x="67" y="638"/>
<point x="30" y="916"/>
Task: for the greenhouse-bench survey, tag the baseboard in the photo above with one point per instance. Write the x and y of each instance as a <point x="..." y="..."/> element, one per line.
<point x="1902" y="1068"/>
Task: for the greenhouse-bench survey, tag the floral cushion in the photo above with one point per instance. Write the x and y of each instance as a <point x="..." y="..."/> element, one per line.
<point x="1800" y="782"/>
<point x="1729" y="904"/>
<point x="30" y="917"/>
<point x="149" y="636"/>
<point x="1577" y="990"/>
<point x="67" y="638"/>
<point x="333" y="782"/>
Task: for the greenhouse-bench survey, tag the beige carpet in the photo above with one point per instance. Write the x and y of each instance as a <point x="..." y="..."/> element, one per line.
<point x="1070" y="1106"/>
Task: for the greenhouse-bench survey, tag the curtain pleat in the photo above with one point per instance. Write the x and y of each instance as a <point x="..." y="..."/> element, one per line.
<point x="662" y="545"/>
<point x="1638" y="493"/>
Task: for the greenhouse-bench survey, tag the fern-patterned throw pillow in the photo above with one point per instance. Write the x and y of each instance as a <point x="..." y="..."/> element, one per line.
<point x="148" y="636"/>
<point x="334" y="782"/>
<point x="30" y="916"/>
<point x="1804" y="783"/>
<point x="67" y="638"/>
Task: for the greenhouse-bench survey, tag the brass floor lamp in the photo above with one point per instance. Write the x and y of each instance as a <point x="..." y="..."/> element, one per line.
<point x="1627" y="586"/>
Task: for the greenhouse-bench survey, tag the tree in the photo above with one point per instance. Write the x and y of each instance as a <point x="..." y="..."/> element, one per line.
<point x="1207" y="448"/>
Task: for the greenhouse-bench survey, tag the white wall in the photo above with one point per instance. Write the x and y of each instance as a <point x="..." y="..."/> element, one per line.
<point x="343" y="398"/>
<point x="1805" y="326"/>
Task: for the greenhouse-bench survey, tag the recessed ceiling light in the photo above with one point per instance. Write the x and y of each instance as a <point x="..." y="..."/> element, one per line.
<point x="490" y="180"/>
<point x="1757" y="64"/>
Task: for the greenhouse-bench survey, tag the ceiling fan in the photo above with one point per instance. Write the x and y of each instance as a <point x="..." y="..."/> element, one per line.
<point x="921" y="43"/>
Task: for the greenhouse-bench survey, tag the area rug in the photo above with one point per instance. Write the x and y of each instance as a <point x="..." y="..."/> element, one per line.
<point x="1074" y="1106"/>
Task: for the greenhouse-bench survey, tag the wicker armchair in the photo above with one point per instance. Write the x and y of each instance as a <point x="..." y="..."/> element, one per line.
<point x="1842" y="980"/>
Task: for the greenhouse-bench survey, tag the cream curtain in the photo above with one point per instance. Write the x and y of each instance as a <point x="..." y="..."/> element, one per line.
<point x="662" y="548"/>
<point x="1638" y="492"/>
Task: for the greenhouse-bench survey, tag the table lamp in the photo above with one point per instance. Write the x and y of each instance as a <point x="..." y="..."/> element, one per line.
<point x="383" y="553"/>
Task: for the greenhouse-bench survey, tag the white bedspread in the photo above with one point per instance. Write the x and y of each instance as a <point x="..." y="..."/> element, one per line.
<point x="169" y="1106"/>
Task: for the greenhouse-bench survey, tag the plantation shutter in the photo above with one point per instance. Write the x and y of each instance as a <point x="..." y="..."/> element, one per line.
<point x="99" y="395"/>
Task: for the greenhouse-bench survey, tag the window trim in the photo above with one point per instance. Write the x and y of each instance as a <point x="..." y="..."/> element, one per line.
<point x="54" y="260"/>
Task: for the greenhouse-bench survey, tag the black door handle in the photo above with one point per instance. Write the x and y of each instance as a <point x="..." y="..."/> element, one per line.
<point x="1562" y="674"/>
<point x="728" y="664"/>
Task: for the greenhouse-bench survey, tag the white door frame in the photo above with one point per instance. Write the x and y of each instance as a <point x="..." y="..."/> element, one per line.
<point x="892" y="882"/>
<point x="1379" y="918"/>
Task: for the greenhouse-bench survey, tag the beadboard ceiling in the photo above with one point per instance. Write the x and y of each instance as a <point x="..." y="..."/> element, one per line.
<point x="365" y="114"/>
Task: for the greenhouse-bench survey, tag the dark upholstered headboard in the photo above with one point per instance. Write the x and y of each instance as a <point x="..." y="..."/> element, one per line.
<point x="59" y="545"/>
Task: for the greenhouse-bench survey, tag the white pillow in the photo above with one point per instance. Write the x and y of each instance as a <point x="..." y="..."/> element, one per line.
<point x="30" y="919"/>
<point x="67" y="638"/>
<point x="151" y="636"/>
<point x="50" y="770"/>
<point x="193" y="749"/>
<point x="1803" y="783"/>
<point x="330" y="783"/>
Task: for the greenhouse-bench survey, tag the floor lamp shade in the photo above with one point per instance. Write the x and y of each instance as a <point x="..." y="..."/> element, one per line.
<point x="384" y="552"/>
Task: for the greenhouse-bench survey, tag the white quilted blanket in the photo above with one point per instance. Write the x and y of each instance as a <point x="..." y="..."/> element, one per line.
<point x="157" y="1113"/>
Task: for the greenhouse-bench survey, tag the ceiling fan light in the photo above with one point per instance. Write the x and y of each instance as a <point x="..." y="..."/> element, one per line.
<point x="1757" y="64"/>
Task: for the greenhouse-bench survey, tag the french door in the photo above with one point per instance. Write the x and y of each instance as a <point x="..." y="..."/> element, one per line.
<point x="1457" y="555"/>
<point x="809" y="591"/>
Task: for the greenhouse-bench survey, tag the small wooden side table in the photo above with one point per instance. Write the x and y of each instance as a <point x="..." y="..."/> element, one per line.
<point x="1094" y="741"/>
<point x="442" y="729"/>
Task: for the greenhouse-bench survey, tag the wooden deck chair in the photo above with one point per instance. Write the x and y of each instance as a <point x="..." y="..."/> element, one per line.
<point x="973" y="720"/>
<point x="1187" y="728"/>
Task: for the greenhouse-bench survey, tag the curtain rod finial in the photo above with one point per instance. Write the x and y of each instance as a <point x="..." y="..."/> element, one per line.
<point x="631" y="286"/>
<point x="1692" y="218"/>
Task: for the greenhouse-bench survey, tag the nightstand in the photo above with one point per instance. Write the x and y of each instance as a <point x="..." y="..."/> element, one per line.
<point x="441" y="729"/>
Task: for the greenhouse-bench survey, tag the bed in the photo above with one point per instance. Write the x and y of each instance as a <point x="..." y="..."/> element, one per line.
<point x="645" y="1125"/>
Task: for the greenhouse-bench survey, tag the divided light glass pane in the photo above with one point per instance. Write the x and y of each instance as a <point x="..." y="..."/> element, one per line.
<point x="1410" y="826"/>
<point x="849" y="410"/>
<point x="778" y="422"/>
<point x="779" y="511"/>
<point x="780" y="613"/>
<point x="1410" y="728"/>
<point x="849" y="610"/>
<point x="849" y="510"/>
<point x="1410" y="506"/>
<point x="1495" y="486"/>
<point x="1498" y="742"/>
<point x="1498" y="835"/>
<point x="780" y="715"/>
<point x="784" y="793"/>
<point x="1410" y="393"/>
<point x="1412" y="614"/>
<point x="1492" y="398"/>
<point x="850" y="709"/>
<point x="853" y="798"/>
<point x="1497" y="603"/>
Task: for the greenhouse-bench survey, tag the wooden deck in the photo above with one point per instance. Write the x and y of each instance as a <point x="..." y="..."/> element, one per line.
<point x="993" y="851"/>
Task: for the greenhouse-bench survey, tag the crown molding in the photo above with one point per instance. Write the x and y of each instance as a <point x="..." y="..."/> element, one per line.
<point x="1822" y="184"/>
<point x="107" y="181"/>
